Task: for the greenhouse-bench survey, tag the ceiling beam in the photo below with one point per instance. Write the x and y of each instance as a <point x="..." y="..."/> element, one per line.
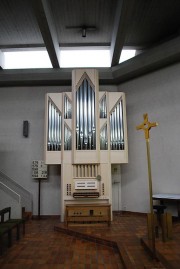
<point x="121" y="22"/>
<point x="46" y="77"/>
<point x="35" y="77"/>
<point x="45" y="21"/>
<point x="153" y="59"/>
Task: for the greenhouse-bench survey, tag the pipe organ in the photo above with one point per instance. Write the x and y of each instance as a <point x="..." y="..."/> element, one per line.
<point x="85" y="132"/>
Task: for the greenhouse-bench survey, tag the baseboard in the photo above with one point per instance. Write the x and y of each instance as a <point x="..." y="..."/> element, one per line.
<point x="133" y="213"/>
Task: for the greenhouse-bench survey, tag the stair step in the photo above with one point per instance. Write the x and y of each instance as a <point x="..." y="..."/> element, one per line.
<point x="27" y="215"/>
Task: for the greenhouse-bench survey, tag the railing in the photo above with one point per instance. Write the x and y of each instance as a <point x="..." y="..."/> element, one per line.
<point x="12" y="193"/>
<point x="25" y="196"/>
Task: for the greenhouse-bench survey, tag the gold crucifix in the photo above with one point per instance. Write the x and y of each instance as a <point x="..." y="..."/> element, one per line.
<point x="146" y="127"/>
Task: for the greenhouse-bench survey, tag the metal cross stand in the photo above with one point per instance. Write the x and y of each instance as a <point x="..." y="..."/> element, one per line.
<point x="146" y="127"/>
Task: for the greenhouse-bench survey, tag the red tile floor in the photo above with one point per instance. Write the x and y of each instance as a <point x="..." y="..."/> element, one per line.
<point x="49" y="244"/>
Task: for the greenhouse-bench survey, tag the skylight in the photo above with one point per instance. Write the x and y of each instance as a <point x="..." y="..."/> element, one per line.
<point x="85" y="58"/>
<point x="69" y="58"/>
<point x="127" y="54"/>
<point x="22" y="59"/>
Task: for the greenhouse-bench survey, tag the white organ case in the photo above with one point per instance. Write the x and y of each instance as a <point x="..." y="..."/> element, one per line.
<point x="85" y="132"/>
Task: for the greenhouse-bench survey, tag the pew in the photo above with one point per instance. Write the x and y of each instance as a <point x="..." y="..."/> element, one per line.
<point x="7" y="224"/>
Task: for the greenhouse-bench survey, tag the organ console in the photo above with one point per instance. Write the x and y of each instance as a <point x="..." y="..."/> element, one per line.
<point x="85" y="132"/>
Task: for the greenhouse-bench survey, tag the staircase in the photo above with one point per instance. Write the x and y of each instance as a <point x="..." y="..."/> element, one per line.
<point x="16" y="196"/>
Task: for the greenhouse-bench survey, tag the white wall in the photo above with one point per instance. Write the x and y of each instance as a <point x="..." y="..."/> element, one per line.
<point x="17" y="152"/>
<point x="13" y="201"/>
<point x="157" y="94"/>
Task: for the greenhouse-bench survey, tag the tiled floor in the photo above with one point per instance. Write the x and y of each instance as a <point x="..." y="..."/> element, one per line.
<point x="169" y="251"/>
<point x="126" y="231"/>
<point x="43" y="247"/>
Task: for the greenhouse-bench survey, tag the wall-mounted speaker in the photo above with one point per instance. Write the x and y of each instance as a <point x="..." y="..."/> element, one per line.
<point x="25" y="128"/>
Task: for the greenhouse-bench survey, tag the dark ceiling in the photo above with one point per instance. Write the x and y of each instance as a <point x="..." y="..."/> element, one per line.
<point x="150" y="26"/>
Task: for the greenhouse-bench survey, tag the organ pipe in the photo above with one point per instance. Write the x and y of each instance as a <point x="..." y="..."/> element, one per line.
<point x="67" y="138"/>
<point x="117" y="127"/>
<point x="54" y="127"/>
<point x="103" y="138"/>
<point x="103" y="107"/>
<point x="85" y="117"/>
<point x="85" y="122"/>
<point x="67" y="108"/>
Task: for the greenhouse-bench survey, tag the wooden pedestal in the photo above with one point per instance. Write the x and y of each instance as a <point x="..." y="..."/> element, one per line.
<point x="91" y="213"/>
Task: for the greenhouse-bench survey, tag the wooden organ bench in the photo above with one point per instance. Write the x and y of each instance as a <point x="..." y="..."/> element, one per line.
<point x="83" y="213"/>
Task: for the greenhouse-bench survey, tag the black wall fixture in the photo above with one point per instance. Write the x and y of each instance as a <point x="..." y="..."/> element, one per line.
<point x="25" y="128"/>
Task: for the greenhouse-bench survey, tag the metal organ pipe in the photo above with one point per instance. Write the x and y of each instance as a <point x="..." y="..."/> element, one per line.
<point x="110" y="119"/>
<point x="93" y="121"/>
<point x="89" y="117"/>
<point x="60" y="128"/>
<point x="85" y="117"/>
<point x="54" y="144"/>
<point x="121" y="124"/>
<point x="67" y="138"/>
<point x="49" y="126"/>
<point x="77" y="120"/>
<point x="81" y="118"/>
<point x="85" y="114"/>
<point x="103" y="107"/>
<point x="113" y="130"/>
<point x="117" y="128"/>
<point x="103" y="138"/>
<point x="57" y="130"/>
<point x="54" y="127"/>
<point x="67" y="108"/>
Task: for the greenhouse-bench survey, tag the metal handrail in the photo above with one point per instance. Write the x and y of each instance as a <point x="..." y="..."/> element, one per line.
<point x="12" y="192"/>
<point x="26" y="196"/>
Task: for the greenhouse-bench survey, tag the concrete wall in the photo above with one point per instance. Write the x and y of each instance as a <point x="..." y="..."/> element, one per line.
<point x="157" y="94"/>
<point x="9" y="199"/>
<point x="18" y="152"/>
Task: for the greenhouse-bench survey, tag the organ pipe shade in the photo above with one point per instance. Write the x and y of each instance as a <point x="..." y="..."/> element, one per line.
<point x="54" y="127"/>
<point x="67" y="138"/>
<point x="103" y="138"/>
<point x="103" y="107"/>
<point x="85" y="117"/>
<point x="117" y="127"/>
<point x="67" y="108"/>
